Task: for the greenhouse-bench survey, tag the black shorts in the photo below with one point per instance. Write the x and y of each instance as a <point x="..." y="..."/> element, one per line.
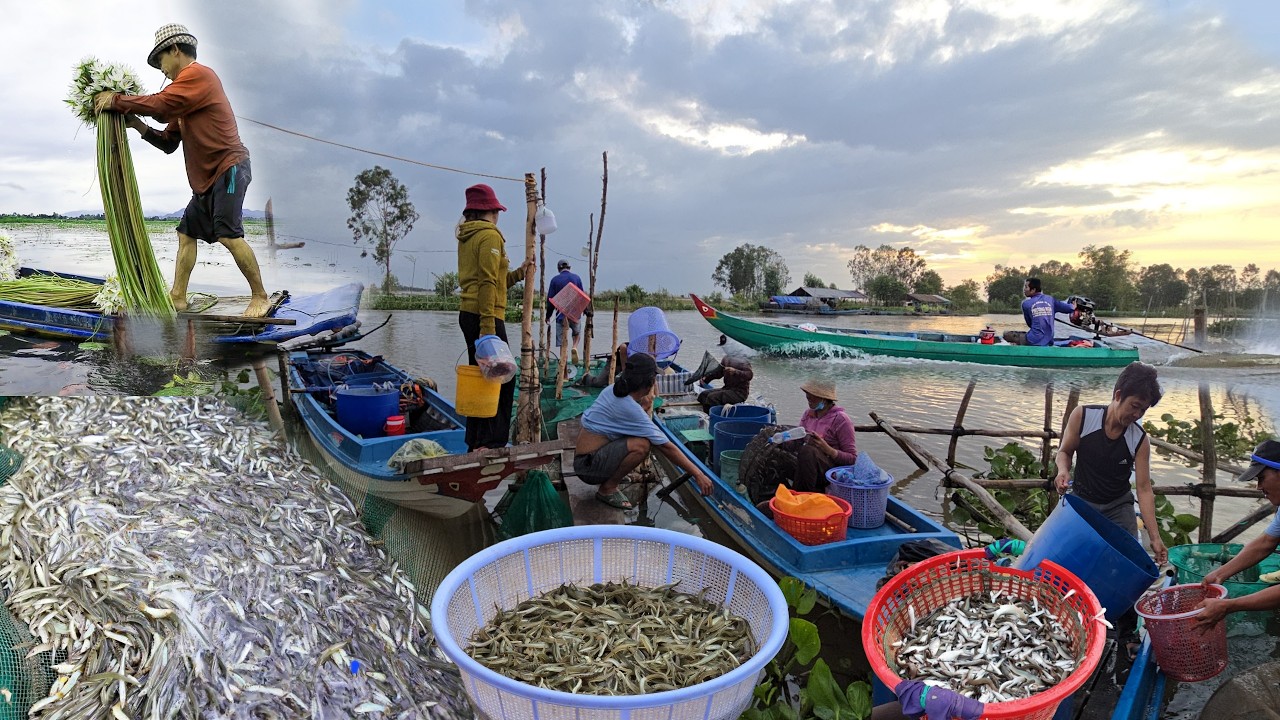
<point x="596" y="468"/>
<point x="218" y="212"/>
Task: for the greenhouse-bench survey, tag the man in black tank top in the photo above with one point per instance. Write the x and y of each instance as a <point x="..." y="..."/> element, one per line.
<point x="1109" y="446"/>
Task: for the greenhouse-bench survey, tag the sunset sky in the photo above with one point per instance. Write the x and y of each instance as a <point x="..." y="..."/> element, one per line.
<point x="977" y="132"/>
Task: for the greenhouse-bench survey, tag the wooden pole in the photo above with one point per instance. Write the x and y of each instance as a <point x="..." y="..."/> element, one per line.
<point x="268" y="394"/>
<point x="1201" y="329"/>
<point x="1210" y="454"/>
<point x="961" y="431"/>
<point x="1267" y="510"/>
<point x="613" y="356"/>
<point x="1073" y="399"/>
<point x="563" y="364"/>
<point x="544" y="337"/>
<point x="902" y="442"/>
<point x="958" y="425"/>
<point x="594" y="260"/>
<point x="1048" y="430"/>
<point x="529" y="414"/>
<point x="1198" y="490"/>
<point x="1192" y="455"/>
<point x="271" y="232"/>
<point x="920" y="455"/>
<point x="588" y="326"/>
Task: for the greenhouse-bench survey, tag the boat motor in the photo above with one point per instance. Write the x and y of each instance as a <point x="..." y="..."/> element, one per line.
<point x="1082" y="316"/>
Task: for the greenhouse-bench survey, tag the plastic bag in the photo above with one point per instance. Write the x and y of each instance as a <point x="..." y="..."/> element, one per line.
<point x="911" y="552"/>
<point x="537" y="506"/>
<point x="414" y="450"/>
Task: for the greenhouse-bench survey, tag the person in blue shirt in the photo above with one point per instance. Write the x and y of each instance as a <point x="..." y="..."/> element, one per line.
<point x="558" y="283"/>
<point x="617" y="434"/>
<point x="1039" y="311"/>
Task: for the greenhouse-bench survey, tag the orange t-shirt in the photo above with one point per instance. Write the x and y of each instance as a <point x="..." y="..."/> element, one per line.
<point x="199" y="118"/>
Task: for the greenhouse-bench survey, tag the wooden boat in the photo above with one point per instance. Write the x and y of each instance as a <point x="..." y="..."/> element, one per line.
<point x="767" y="336"/>
<point x="844" y="573"/>
<point x="295" y="317"/>
<point x="444" y="486"/>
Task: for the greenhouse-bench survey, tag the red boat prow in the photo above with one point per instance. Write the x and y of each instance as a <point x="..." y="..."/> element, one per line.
<point x="707" y="311"/>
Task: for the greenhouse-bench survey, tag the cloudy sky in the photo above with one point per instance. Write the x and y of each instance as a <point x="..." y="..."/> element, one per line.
<point x="975" y="131"/>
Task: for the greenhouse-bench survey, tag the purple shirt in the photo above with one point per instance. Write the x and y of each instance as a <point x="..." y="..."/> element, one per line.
<point x="837" y="429"/>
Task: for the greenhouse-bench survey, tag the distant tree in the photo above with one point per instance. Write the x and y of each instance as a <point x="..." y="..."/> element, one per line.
<point x="752" y="270"/>
<point x="446" y="284"/>
<point x="929" y="283"/>
<point x="966" y="297"/>
<point x="1056" y="277"/>
<point x="633" y="293"/>
<point x="1004" y="286"/>
<point x="811" y="280"/>
<point x="887" y="290"/>
<point x="900" y="263"/>
<point x="381" y="215"/>
<point x="1105" y="276"/>
<point x="1251" y="277"/>
<point x="1162" y="286"/>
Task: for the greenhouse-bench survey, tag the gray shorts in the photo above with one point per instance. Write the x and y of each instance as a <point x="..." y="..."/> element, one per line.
<point x="596" y="468"/>
<point x="218" y="213"/>
<point x="1121" y="513"/>
<point x="573" y="330"/>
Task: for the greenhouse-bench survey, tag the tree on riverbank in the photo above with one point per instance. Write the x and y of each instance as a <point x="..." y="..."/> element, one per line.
<point x="752" y="270"/>
<point x="381" y="215"/>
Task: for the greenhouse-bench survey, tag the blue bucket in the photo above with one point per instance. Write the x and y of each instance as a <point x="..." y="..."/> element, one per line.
<point x="733" y="435"/>
<point x="1099" y="552"/>
<point x="364" y="411"/>
<point x="751" y="413"/>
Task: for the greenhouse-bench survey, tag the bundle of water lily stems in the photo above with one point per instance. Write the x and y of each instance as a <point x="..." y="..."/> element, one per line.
<point x="141" y="284"/>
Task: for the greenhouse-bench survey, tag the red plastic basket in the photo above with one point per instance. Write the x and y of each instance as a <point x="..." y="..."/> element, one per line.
<point x="1183" y="651"/>
<point x="931" y="584"/>
<point x="815" y="531"/>
<point x="571" y="301"/>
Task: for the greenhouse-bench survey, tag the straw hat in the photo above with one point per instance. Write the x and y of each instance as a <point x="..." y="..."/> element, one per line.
<point x="818" y="387"/>
<point x="168" y="36"/>
<point x="482" y="197"/>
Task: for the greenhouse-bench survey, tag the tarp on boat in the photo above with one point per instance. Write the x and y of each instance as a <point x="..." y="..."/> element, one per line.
<point x="789" y="300"/>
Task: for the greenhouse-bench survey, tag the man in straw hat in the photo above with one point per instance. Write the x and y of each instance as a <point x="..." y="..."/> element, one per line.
<point x="199" y="119"/>
<point x="1265" y="468"/>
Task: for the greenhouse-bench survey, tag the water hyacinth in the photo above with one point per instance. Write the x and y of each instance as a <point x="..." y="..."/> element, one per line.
<point x="110" y="300"/>
<point x="94" y="76"/>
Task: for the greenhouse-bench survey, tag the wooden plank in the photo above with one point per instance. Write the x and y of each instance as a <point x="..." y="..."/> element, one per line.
<point x="488" y="456"/>
<point x="242" y="319"/>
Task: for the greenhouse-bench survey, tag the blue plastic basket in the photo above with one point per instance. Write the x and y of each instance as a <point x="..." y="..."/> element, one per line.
<point x="503" y="576"/>
<point x="865" y="487"/>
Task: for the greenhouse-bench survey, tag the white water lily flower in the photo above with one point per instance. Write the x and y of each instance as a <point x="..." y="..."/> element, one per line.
<point x="93" y="76"/>
<point x="8" y="258"/>
<point x="110" y="299"/>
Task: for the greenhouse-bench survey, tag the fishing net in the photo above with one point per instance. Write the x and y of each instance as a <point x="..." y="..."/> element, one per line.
<point x="764" y="465"/>
<point x="1253" y="694"/>
<point x="536" y="506"/>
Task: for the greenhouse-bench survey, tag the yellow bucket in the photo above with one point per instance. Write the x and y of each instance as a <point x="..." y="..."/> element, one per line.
<point x="477" y="396"/>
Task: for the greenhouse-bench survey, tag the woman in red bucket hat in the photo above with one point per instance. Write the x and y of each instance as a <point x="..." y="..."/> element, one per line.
<point x="485" y="274"/>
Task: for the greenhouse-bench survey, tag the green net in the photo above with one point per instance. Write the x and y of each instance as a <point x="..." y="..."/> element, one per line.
<point x="536" y="506"/>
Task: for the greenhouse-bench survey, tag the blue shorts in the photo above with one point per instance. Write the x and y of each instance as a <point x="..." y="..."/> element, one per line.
<point x="218" y="212"/>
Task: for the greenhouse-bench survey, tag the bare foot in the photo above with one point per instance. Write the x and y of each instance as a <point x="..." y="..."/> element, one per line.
<point x="179" y="301"/>
<point x="258" y="307"/>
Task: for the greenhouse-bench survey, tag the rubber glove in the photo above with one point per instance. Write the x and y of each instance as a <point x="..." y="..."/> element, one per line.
<point x="1005" y="546"/>
<point x="938" y="704"/>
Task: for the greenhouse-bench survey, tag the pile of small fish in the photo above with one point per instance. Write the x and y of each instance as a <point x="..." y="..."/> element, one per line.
<point x="614" y="639"/>
<point x="190" y="567"/>
<point x="991" y="647"/>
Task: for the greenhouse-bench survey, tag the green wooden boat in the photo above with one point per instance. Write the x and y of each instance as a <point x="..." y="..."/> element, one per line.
<point x="927" y="345"/>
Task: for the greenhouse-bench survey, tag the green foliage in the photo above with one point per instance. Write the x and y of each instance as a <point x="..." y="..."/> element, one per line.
<point x="811" y="280"/>
<point x="1162" y="286"/>
<point x="966" y="297"/>
<point x="799" y="665"/>
<point x="1105" y="276"/>
<point x="1004" y="287"/>
<point x="446" y="284"/>
<point x="901" y="264"/>
<point x="1175" y="528"/>
<point x="751" y="270"/>
<point x="247" y="400"/>
<point x="381" y="215"/>
<point x="886" y="290"/>
<point x="1231" y="441"/>
<point x="929" y="283"/>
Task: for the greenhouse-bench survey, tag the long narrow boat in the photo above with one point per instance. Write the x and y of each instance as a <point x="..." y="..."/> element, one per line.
<point x="333" y="309"/>
<point x="445" y="486"/>
<point x="768" y="336"/>
<point x="844" y="572"/>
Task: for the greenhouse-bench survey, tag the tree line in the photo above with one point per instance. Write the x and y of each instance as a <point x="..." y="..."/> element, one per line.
<point x="1112" y="278"/>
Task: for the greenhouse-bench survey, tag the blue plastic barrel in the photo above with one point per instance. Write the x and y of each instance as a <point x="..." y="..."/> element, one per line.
<point x="733" y="435"/>
<point x="754" y="413"/>
<point x="1101" y="553"/>
<point x="364" y="411"/>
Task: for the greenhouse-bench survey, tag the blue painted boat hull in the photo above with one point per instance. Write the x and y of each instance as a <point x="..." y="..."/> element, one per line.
<point x="844" y="573"/>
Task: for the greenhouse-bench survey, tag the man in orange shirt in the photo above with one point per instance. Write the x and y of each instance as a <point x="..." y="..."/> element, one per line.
<point x="200" y="119"/>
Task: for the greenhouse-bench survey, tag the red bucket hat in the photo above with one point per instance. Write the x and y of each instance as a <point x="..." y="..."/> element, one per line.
<point x="482" y="197"/>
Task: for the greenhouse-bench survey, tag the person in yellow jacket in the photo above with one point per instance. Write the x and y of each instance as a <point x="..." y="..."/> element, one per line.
<point x="485" y="274"/>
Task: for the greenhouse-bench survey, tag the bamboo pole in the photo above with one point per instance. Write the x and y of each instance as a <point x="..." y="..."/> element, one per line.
<point x="902" y="442"/>
<point x="1189" y="489"/>
<point x="594" y="260"/>
<point x="919" y="455"/>
<point x="529" y="414"/>
<point x="1048" y="430"/>
<point x="563" y="365"/>
<point x="611" y="365"/>
<point x="1073" y="399"/>
<point x="961" y="431"/>
<point x="588" y="326"/>
<point x="958" y="425"/>
<point x="1210" y="453"/>
<point x="1244" y="523"/>
<point x="1192" y="455"/>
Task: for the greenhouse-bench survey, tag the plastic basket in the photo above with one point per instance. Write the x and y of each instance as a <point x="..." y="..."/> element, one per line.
<point x="866" y="487"/>
<point x="815" y="531"/>
<point x="571" y="301"/>
<point x="647" y="332"/>
<point x="674" y="383"/>
<point x="1194" y="562"/>
<point x="1183" y="651"/>
<point x="931" y="584"/>
<point x="503" y="576"/>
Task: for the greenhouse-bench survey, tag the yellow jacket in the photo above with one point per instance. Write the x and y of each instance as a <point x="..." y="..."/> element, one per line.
<point x="484" y="272"/>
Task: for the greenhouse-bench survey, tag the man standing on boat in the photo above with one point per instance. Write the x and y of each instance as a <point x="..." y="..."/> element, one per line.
<point x="563" y="278"/>
<point x="1039" y="310"/>
<point x="1265" y="468"/>
<point x="200" y="119"/>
